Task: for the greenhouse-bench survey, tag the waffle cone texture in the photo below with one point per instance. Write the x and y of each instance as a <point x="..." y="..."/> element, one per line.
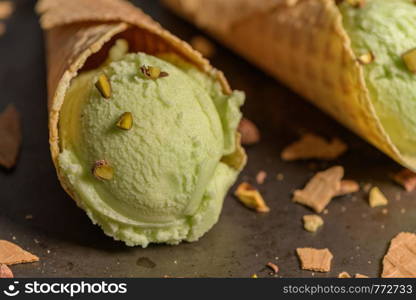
<point x="303" y="44"/>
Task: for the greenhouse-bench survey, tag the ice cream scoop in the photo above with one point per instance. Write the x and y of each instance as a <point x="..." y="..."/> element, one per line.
<point x="385" y="30"/>
<point x="159" y="176"/>
<point x="143" y="130"/>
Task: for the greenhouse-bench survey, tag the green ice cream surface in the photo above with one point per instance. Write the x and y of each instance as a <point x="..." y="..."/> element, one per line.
<point x="169" y="182"/>
<point x="387" y="28"/>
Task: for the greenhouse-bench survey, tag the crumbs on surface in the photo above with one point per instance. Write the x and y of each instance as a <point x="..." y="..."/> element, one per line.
<point x="400" y="260"/>
<point x="406" y="178"/>
<point x="320" y="190"/>
<point x="318" y="260"/>
<point x="273" y="267"/>
<point x="312" y="223"/>
<point x="344" y="275"/>
<point x="261" y="177"/>
<point x="311" y="146"/>
<point x="5" y="271"/>
<point x="11" y="254"/>
<point x="377" y="198"/>
<point x="348" y="187"/>
<point x="251" y="197"/>
<point x="6" y="9"/>
<point x="250" y="134"/>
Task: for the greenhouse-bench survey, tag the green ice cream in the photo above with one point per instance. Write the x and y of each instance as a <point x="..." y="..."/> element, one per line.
<point x="387" y="28"/>
<point x="169" y="180"/>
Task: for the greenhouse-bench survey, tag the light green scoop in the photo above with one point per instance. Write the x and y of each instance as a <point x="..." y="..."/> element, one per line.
<point x="387" y="28"/>
<point x="169" y="182"/>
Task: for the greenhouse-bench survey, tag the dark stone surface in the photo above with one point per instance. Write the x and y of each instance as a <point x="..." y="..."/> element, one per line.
<point x="243" y="241"/>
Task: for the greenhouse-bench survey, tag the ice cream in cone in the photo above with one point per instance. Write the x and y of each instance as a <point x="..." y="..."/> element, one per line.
<point x="143" y="131"/>
<point x="354" y="59"/>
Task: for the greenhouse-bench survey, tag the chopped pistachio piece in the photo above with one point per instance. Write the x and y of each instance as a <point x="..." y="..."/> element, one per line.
<point x="102" y="170"/>
<point x="251" y="197"/>
<point x="409" y="59"/>
<point x="153" y="72"/>
<point x="377" y="198"/>
<point x="366" y="59"/>
<point x="312" y="223"/>
<point x="103" y="85"/>
<point x="273" y="267"/>
<point x="126" y="121"/>
<point x="344" y="275"/>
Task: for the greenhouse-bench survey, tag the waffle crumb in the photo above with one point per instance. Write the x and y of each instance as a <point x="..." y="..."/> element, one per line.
<point x="400" y="260"/>
<point x="320" y="190"/>
<point x="11" y="254"/>
<point x="5" y="271"/>
<point x="348" y="187"/>
<point x="344" y="275"/>
<point x="311" y="146"/>
<point x="318" y="260"/>
<point x="406" y="178"/>
<point x="6" y="9"/>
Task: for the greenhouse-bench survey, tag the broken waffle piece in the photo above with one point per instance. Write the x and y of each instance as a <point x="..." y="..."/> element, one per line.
<point x="377" y="198"/>
<point x="319" y="191"/>
<point x="318" y="260"/>
<point x="261" y="177"/>
<point x="203" y="45"/>
<point x="5" y="271"/>
<point x="348" y="187"/>
<point x="6" y="9"/>
<point x="11" y="254"/>
<point x="311" y="146"/>
<point x="251" y="197"/>
<point x="250" y="134"/>
<point x="312" y="223"/>
<point x="400" y="260"/>
<point x="344" y="275"/>
<point x="11" y="136"/>
<point x="406" y="178"/>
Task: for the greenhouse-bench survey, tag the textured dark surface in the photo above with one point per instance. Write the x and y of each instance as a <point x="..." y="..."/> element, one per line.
<point x="243" y="241"/>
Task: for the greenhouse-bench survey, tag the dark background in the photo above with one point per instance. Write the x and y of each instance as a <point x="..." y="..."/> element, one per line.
<point x="243" y="241"/>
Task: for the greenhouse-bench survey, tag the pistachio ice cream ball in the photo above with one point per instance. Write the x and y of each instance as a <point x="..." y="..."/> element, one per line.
<point x="146" y="147"/>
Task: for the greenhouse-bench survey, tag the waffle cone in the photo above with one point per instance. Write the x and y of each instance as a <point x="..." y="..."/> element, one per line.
<point x="79" y="34"/>
<point x="303" y="44"/>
